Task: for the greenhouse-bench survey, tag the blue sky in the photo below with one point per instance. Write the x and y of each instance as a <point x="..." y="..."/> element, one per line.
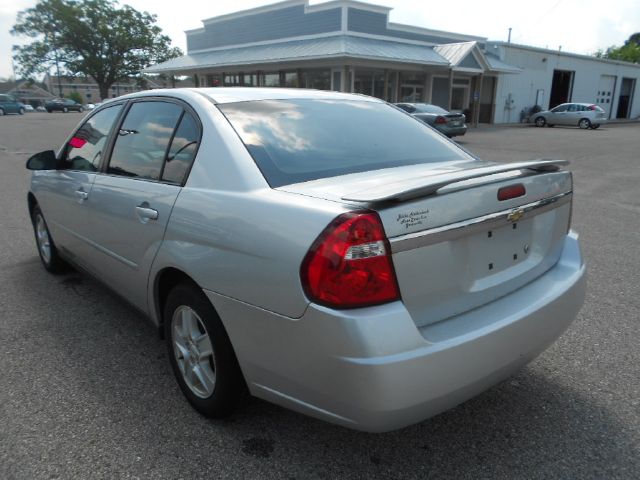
<point x="579" y="26"/>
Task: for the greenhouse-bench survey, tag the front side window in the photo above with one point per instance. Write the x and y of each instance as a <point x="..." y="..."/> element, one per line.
<point x="143" y="139"/>
<point x="85" y="149"/>
<point x="295" y="141"/>
<point x="560" y="108"/>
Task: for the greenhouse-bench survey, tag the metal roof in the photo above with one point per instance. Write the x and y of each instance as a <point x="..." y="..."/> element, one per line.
<point x="318" y="48"/>
<point x="455" y="52"/>
<point x="498" y="65"/>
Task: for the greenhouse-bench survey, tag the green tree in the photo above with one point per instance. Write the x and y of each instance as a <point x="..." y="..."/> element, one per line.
<point x="75" y="96"/>
<point x="629" y="52"/>
<point x="97" y="38"/>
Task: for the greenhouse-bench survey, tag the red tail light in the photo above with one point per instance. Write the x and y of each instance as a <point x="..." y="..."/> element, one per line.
<point x="440" y="120"/>
<point x="349" y="265"/>
<point x="512" y="191"/>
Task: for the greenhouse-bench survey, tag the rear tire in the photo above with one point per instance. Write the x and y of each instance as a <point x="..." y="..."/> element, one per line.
<point x="65" y="110"/>
<point x="584" y="123"/>
<point x="46" y="248"/>
<point x="540" y="121"/>
<point x="21" y="111"/>
<point x="201" y="354"/>
<point x="80" y="110"/>
<point x="1" y="112"/>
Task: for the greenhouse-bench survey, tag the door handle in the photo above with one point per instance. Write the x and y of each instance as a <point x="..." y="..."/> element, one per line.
<point x="81" y="194"/>
<point x="145" y="213"/>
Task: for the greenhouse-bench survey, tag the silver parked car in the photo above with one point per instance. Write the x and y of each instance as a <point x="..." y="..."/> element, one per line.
<point x="324" y="251"/>
<point x="583" y="115"/>
<point x="447" y="123"/>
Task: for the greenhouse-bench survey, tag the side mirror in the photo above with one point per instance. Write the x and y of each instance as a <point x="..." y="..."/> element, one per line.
<point x="43" y="161"/>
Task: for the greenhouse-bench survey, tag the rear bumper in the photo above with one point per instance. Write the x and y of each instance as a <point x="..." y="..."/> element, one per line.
<point x="372" y="369"/>
<point x="451" y="131"/>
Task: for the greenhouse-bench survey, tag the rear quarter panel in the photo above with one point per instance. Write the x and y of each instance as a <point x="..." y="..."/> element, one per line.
<point x="245" y="245"/>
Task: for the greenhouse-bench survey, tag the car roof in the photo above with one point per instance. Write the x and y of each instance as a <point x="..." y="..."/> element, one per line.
<point x="575" y="103"/>
<point x="245" y="94"/>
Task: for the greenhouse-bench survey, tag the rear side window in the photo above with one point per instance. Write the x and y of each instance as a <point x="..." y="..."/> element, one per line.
<point x="85" y="149"/>
<point x="295" y="141"/>
<point x="182" y="151"/>
<point x="143" y="139"/>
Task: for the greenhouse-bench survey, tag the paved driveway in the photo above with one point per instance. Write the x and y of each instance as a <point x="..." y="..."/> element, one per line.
<point x="86" y="390"/>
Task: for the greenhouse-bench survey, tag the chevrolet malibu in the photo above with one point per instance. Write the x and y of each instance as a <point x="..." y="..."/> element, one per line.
<point x="323" y="251"/>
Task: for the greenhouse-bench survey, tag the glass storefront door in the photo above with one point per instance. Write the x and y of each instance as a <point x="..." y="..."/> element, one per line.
<point x="411" y="93"/>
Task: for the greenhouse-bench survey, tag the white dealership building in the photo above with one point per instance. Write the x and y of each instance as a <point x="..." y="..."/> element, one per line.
<point x="351" y="46"/>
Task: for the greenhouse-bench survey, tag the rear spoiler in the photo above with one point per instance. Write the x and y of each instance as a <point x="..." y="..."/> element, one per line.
<point x="430" y="184"/>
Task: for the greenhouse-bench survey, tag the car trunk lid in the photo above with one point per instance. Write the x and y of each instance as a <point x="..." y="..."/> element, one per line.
<point x="455" y="245"/>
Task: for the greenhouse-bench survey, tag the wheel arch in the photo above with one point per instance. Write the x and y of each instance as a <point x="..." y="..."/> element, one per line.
<point x="31" y="202"/>
<point x="165" y="280"/>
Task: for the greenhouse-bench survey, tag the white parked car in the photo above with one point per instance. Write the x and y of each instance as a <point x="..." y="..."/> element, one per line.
<point x="583" y="115"/>
<point x="325" y="251"/>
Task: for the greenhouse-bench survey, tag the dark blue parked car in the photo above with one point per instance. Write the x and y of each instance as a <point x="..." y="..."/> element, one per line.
<point x="9" y="104"/>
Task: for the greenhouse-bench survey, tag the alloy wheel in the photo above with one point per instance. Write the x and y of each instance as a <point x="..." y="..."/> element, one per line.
<point x="44" y="242"/>
<point x="193" y="351"/>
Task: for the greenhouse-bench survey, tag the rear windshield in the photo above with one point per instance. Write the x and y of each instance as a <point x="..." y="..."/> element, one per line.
<point x="427" y="108"/>
<point x="296" y="141"/>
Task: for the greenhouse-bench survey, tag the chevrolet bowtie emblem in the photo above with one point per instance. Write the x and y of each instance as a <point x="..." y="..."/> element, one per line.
<point x="515" y="215"/>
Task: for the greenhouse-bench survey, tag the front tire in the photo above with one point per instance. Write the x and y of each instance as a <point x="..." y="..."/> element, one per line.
<point x="540" y="121"/>
<point x="1" y="112"/>
<point x="584" y="123"/>
<point x="200" y="353"/>
<point x="46" y="248"/>
<point x="80" y="110"/>
<point x="65" y="110"/>
<point x="21" y="112"/>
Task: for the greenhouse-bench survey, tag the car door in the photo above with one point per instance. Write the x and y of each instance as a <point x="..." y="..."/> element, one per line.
<point x="132" y="199"/>
<point x="573" y="114"/>
<point x="558" y="115"/>
<point x="62" y="194"/>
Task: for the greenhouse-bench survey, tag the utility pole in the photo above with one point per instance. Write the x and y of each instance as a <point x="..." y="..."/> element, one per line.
<point x="58" y="73"/>
<point x="509" y="37"/>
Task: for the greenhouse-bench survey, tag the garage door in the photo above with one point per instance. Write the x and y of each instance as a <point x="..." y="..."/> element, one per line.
<point x="605" y="92"/>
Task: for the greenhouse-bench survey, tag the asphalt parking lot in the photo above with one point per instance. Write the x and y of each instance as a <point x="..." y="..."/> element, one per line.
<point x="86" y="390"/>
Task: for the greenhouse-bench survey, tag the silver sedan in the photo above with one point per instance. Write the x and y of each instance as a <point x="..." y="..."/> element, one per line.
<point x="322" y="251"/>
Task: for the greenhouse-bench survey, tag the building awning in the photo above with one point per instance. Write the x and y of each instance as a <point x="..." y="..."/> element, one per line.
<point x="339" y="46"/>
<point x="469" y="57"/>
<point x="464" y="56"/>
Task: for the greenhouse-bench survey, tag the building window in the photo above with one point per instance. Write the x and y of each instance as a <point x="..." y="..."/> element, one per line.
<point x="369" y="83"/>
<point x="232" y="80"/>
<point x="291" y="80"/>
<point x="214" y="81"/>
<point x="337" y="77"/>
<point x="319" y="79"/>
<point x="250" y="80"/>
<point x="271" y="79"/>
